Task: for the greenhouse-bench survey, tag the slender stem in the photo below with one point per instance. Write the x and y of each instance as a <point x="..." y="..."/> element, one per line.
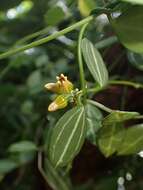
<point x="139" y="117"/>
<point x="116" y="82"/>
<point x="80" y="61"/>
<point x="40" y="167"/>
<point x="123" y="98"/>
<point x="104" y="108"/>
<point x="106" y="42"/>
<point x="99" y="105"/>
<point x="101" y="44"/>
<point x="31" y="36"/>
<point x="46" y="39"/>
<point x="52" y="177"/>
<point x="96" y="89"/>
<point x="126" y="83"/>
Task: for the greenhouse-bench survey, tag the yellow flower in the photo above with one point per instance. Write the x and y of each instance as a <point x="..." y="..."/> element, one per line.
<point x="59" y="103"/>
<point x="62" y="86"/>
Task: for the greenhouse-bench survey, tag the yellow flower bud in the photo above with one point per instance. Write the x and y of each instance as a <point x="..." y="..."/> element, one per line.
<point x="62" y="86"/>
<point x="54" y="87"/>
<point x="59" y="103"/>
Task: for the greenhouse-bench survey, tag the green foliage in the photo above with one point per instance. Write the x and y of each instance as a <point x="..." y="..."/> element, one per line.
<point x="133" y="141"/>
<point x="136" y="60"/>
<point x="140" y="2"/>
<point x="114" y="138"/>
<point x="23" y="146"/>
<point x="54" y="16"/>
<point x="93" y="122"/>
<point x="56" y="181"/>
<point x="6" y="165"/>
<point x="67" y="137"/>
<point x="94" y="62"/>
<point x="129" y="28"/>
<point x="86" y="6"/>
<point x="110" y="138"/>
<point x="28" y="129"/>
<point x="119" y="116"/>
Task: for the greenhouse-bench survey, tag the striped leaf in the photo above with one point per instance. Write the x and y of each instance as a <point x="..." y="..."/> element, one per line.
<point x="67" y="137"/>
<point x="55" y="179"/>
<point x="94" y="62"/>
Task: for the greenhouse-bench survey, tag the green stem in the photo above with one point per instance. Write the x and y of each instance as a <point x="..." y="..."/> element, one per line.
<point x="80" y="61"/>
<point x="116" y="82"/>
<point x="139" y="117"/>
<point x="41" y="169"/>
<point x="31" y="36"/>
<point x="46" y="39"/>
<point x="123" y="98"/>
<point x="53" y="174"/>
<point x="96" y="89"/>
<point x="99" y="105"/>
<point x="126" y="83"/>
<point x="106" y="42"/>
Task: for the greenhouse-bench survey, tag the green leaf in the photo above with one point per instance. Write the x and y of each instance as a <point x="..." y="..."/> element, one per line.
<point x="6" y="165"/>
<point x="54" y="16"/>
<point x="110" y="138"/>
<point x="86" y="6"/>
<point x="133" y="140"/>
<point x="140" y="2"/>
<point x="119" y="116"/>
<point x="94" y="62"/>
<point x="56" y="181"/>
<point x="129" y="28"/>
<point x="67" y="137"/>
<point x="93" y="122"/>
<point x="136" y="60"/>
<point x="22" y="146"/>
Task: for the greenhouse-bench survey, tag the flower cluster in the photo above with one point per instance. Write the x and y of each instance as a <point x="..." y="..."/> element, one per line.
<point x="64" y="88"/>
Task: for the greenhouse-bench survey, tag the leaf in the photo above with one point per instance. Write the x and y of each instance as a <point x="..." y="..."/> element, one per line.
<point x="93" y="122"/>
<point x="22" y="146"/>
<point x="110" y="138"/>
<point x="56" y="181"/>
<point x="94" y="62"/>
<point x="86" y="6"/>
<point x="133" y="140"/>
<point x="140" y="2"/>
<point x="54" y="16"/>
<point x="6" y="165"/>
<point x="67" y="137"/>
<point x="119" y="116"/>
<point x="129" y="28"/>
<point x="136" y="60"/>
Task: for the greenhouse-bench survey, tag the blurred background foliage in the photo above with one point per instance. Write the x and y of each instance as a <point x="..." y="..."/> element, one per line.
<point x="23" y="99"/>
